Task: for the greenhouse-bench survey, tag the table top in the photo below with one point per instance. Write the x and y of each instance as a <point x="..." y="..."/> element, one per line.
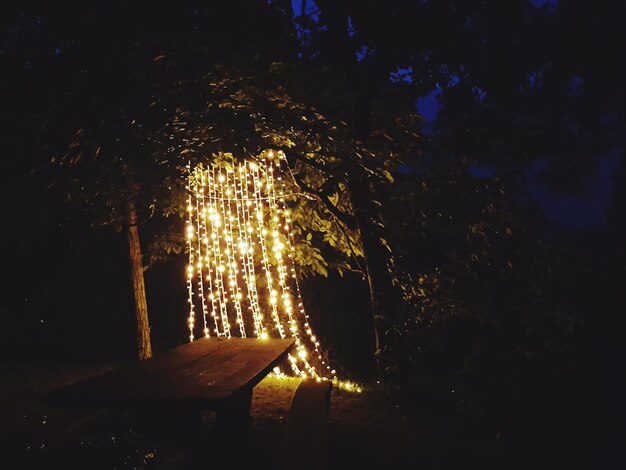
<point x="203" y="373"/>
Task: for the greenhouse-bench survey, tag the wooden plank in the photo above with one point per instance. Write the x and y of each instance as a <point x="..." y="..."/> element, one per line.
<point x="200" y="380"/>
<point x="139" y="372"/>
<point x="202" y="373"/>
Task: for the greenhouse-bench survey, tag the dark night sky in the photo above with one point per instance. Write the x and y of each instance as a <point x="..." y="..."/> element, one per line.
<point x="585" y="209"/>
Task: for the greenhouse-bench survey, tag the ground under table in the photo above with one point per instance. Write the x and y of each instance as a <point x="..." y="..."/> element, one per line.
<point x="216" y="374"/>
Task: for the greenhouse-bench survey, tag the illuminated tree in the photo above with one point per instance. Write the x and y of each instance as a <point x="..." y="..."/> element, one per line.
<point x="245" y="111"/>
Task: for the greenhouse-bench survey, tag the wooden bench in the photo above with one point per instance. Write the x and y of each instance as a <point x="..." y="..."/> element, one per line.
<point x="208" y="374"/>
<point x="306" y="436"/>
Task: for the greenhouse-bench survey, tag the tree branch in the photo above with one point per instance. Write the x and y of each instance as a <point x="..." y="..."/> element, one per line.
<point x="317" y="165"/>
<point x="352" y="253"/>
<point x="346" y="219"/>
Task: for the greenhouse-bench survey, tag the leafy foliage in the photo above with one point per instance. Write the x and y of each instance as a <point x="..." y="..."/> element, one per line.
<point x="236" y="112"/>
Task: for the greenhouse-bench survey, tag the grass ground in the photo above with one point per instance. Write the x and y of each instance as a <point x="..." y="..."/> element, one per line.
<point x="366" y="429"/>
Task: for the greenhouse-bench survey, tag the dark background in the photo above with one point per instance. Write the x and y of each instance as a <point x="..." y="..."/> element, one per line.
<point x="537" y="352"/>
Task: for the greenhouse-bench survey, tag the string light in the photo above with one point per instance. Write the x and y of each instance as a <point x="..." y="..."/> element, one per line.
<point x="239" y="237"/>
<point x="220" y="293"/>
<point x="199" y="199"/>
<point x="190" y="268"/>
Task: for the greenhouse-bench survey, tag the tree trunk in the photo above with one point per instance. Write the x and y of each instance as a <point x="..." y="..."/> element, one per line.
<point x="144" y="347"/>
<point x="380" y="285"/>
<point x="365" y="85"/>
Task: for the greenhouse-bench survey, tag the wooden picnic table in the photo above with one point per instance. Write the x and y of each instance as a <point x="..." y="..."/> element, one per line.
<point x="215" y="374"/>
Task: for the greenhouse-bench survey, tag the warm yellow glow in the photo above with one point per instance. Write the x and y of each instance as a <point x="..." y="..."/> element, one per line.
<point x="241" y="261"/>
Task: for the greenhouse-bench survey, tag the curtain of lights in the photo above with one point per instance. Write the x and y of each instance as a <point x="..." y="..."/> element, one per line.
<point x="241" y="277"/>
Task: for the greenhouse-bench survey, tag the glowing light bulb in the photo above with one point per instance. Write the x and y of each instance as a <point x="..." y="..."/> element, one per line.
<point x="228" y="215"/>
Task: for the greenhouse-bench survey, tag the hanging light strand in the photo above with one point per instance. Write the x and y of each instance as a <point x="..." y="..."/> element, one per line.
<point x="213" y="293"/>
<point x="261" y="234"/>
<point x="279" y="233"/>
<point x="209" y="255"/>
<point x="285" y="224"/>
<point x="220" y="293"/>
<point x="199" y="191"/>
<point x="230" y="250"/>
<point x="243" y="223"/>
<point x="190" y="266"/>
<point x="246" y="248"/>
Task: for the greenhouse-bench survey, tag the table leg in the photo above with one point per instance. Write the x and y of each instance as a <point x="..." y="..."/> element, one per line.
<point x="171" y="423"/>
<point x="234" y="415"/>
